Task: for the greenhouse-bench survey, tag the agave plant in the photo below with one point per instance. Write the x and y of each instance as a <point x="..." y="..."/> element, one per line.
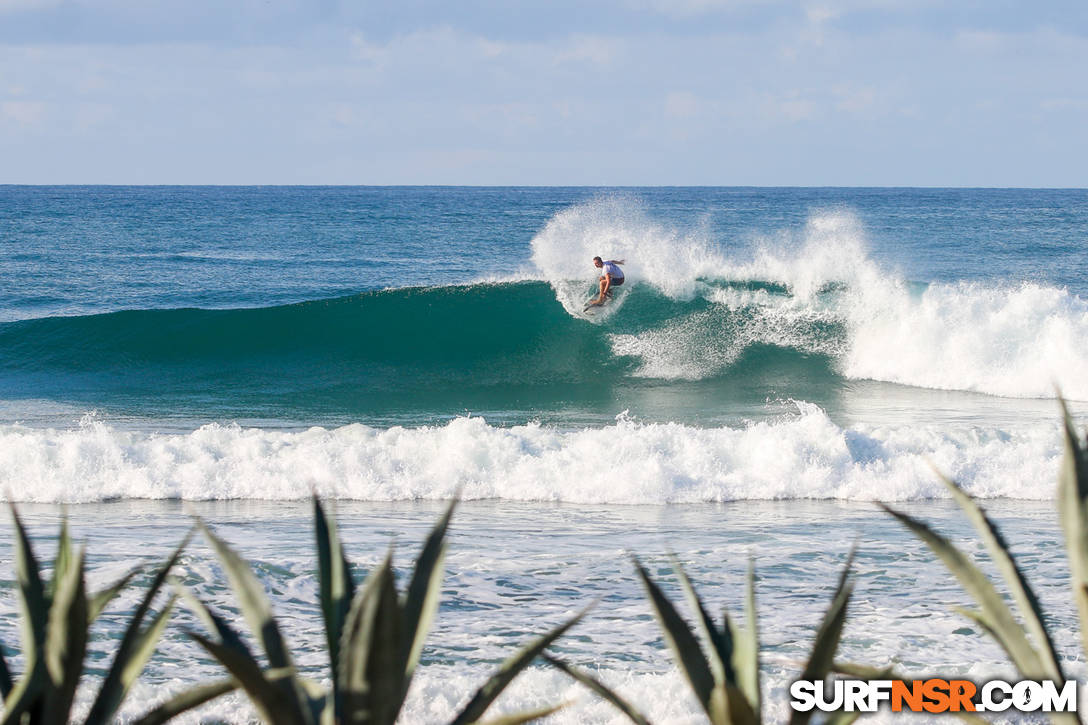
<point x="56" y="619"/>
<point x="1029" y="645"/>
<point x="723" y="671"/>
<point x="374" y="636"/>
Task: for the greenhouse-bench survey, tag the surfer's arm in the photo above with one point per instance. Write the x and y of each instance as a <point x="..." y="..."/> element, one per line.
<point x="617" y="261"/>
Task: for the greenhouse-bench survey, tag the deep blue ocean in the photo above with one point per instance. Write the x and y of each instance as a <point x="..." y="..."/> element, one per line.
<point x="777" y="360"/>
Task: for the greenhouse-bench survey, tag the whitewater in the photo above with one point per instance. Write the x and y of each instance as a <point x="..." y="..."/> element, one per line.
<point x="801" y="456"/>
<point x="1008" y="339"/>
<point x="778" y="361"/>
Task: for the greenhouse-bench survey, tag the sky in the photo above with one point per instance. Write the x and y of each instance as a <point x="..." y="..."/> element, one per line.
<point x="585" y="92"/>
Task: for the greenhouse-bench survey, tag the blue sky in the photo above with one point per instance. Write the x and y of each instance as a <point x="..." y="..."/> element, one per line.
<point x="717" y="92"/>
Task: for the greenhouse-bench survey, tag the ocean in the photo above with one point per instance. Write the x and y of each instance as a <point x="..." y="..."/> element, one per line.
<point x="777" y="361"/>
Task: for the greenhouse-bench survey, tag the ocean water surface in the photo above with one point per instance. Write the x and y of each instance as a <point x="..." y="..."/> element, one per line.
<point x="778" y="360"/>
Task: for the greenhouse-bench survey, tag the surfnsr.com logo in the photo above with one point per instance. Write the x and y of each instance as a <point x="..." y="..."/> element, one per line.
<point x="934" y="695"/>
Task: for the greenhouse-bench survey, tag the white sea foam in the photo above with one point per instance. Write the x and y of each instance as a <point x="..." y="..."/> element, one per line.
<point x="707" y="342"/>
<point x="617" y="227"/>
<point x="1015" y="339"/>
<point x="804" y="455"/>
<point x="439" y="693"/>
<point x="515" y="570"/>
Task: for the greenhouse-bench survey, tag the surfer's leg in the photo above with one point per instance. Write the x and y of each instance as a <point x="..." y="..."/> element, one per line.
<point x="601" y="293"/>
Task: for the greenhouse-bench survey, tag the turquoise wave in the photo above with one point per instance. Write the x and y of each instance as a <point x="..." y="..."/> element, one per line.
<point x="369" y="350"/>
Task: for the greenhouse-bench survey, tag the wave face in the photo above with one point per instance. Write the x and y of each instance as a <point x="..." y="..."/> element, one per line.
<point x="813" y="307"/>
<point x="480" y="334"/>
<point x="804" y="455"/>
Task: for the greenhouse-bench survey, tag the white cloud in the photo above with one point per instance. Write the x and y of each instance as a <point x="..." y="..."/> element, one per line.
<point x="855" y="99"/>
<point x="26" y="113"/>
<point x="89" y="116"/>
<point x="986" y="41"/>
<point x="363" y="50"/>
<point x="681" y="104"/>
<point x="820" y="14"/>
<point x="490" y="48"/>
<point x="796" y="109"/>
<point x="594" y="50"/>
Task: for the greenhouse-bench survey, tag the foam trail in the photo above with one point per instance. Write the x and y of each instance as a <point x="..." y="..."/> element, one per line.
<point x="800" y="456"/>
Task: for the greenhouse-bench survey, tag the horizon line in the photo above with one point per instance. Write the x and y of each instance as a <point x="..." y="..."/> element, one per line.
<point x="543" y="186"/>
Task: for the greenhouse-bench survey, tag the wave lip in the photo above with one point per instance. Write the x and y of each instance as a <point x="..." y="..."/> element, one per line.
<point x="802" y="456"/>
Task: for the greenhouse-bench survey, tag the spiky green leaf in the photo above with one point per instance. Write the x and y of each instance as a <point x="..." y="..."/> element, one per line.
<point x="274" y="692"/>
<point x="719" y="641"/>
<point x="1030" y="610"/>
<point x="34" y="608"/>
<point x="1073" y="509"/>
<point x="32" y="600"/>
<point x="511" y="668"/>
<point x="984" y="623"/>
<point x="26" y="693"/>
<point x="982" y="590"/>
<point x="228" y="635"/>
<point x="734" y="708"/>
<point x="114" y="687"/>
<point x="685" y="647"/>
<point x="822" y="657"/>
<point x="5" y="677"/>
<point x="198" y="608"/>
<point x="66" y="639"/>
<point x="371" y="673"/>
<point x="145" y="646"/>
<point x="100" y="600"/>
<point x="421" y="599"/>
<point x="518" y="718"/>
<point x="252" y="600"/>
<point x="64" y="556"/>
<point x="319" y="701"/>
<point x="187" y="700"/>
<point x="603" y="691"/>
<point x="746" y="649"/>
<point x="336" y="586"/>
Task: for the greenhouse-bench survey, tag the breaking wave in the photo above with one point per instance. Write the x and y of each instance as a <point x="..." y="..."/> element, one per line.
<point x="686" y="313"/>
<point x="801" y="455"/>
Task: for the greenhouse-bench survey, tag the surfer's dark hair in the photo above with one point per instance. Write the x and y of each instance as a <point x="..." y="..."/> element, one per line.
<point x="597" y="259"/>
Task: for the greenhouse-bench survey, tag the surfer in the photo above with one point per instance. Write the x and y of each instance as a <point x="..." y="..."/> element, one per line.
<point x="611" y="276"/>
